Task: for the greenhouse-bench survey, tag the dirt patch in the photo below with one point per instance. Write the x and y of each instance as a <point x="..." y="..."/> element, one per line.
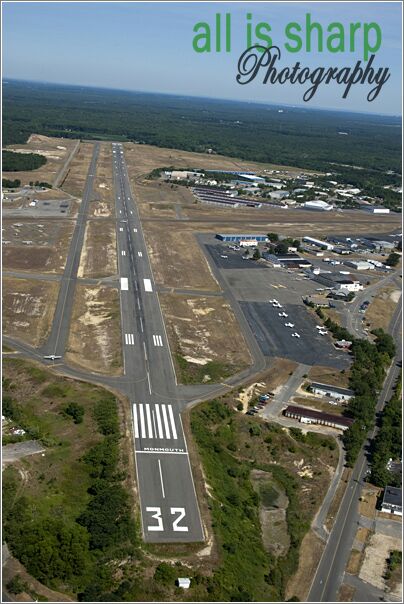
<point x="76" y="175"/>
<point x="204" y="330"/>
<point x="95" y="332"/>
<point x="346" y="593"/>
<point x="177" y="260"/>
<point x="98" y="256"/>
<point x="247" y="394"/>
<point x="309" y="557"/>
<point x="368" y="501"/>
<point x="382" y="307"/>
<point x="28" y="308"/>
<point x="318" y="403"/>
<point x="354" y="562"/>
<point x="272" y="513"/>
<point x="103" y="201"/>
<point x="376" y="555"/>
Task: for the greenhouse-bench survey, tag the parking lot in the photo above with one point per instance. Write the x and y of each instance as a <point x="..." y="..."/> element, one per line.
<point x="226" y="258"/>
<point x="43" y="208"/>
<point x="275" y="339"/>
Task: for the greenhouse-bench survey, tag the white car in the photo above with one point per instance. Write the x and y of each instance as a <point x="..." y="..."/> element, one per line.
<point x="295" y="335"/>
<point x="223" y="256"/>
<point x="289" y="324"/>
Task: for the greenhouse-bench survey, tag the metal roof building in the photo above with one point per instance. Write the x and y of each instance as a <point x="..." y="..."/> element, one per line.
<point x="240" y="237"/>
<point x="392" y="501"/>
<point x="310" y="416"/>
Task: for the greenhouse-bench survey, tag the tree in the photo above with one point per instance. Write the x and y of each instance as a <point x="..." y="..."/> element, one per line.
<point x="165" y="573"/>
<point x="247" y="252"/>
<point x="281" y="248"/>
<point x="75" y="411"/>
<point x="273" y="236"/>
<point x="393" y="259"/>
<point x="256" y="255"/>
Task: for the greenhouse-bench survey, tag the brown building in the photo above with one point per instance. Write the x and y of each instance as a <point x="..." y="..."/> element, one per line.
<point x="310" y="416"/>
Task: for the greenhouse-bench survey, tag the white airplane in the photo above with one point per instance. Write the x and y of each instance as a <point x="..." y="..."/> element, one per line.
<point x="52" y="357"/>
<point x="289" y="324"/>
<point x="295" y="335"/>
<point x="319" y="327"/>
<point x="282" y="314"/>
<point x="323" y="333"/>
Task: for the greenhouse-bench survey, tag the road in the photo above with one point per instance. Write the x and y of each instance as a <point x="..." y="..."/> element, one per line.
<point x="56" y="342"/>
<point x="330" y="572"/>
<point x="168" y="502"/>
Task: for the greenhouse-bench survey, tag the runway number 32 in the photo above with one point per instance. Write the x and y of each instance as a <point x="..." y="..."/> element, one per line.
<point x="156" y="514"/>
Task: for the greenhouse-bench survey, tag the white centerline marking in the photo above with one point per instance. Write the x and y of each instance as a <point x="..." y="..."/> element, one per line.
<point x="145" y="352"/>
<point x="161" y="480"/>
<point x="148" y="379"/>
<point x="141" y="324"/>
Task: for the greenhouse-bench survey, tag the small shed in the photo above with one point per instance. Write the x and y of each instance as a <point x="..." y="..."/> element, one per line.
<point x="184" y="582"/>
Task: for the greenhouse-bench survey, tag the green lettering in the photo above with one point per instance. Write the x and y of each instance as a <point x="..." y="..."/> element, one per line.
<point x="338" y="36"/>
<point x="294" y="37"/>
<point x="204" y="36"/>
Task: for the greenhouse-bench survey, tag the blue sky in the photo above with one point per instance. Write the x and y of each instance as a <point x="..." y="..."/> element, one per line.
<point x="148" y="46"/>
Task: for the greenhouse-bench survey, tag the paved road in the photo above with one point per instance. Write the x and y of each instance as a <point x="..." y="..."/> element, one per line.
<point x="15" y="451"/>
<point x="56" y="342"/>
<point x="330" y="572"/>
<point x="168" y="501"/>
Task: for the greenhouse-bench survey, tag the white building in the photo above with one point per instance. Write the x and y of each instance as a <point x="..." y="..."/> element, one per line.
<point x="319" y="243"/>
<point x="318" y="204"/>
<point x="374" y="210"/>
<point x="360" y="265"/>
<point x="184" y="582"/>
<point x="344" y="394"/>
<point x="248" y="243"/>
<point x="348" y="285"/>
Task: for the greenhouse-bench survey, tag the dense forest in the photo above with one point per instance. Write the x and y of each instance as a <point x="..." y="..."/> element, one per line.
<point x="21" y="162"/>
<point x="329" y="141"/>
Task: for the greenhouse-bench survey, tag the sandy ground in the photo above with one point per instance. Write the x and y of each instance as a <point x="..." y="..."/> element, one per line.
<point x="95" y="335"/>
<point x="98" y="256"/>
<point x="309" y="557"/>
<point x="28" y="308"/>
<point x="204" y="329"/>
<point x="382" y="307"/>
<point x="376" y="554"/>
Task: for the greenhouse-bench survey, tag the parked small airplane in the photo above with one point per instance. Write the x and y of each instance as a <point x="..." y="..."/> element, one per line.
<point x="282" y="314"/>
<point x="289" y="324"/>
<point x="295" y="335"/>
<point x="52" y="357"/>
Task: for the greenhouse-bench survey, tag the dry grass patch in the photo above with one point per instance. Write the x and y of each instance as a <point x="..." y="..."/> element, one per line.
<point x="354" y="562"/>
<point x="47" y="258"/>
<point x="75" y="178"/>
<point x="158" y="199"/>
<point x="376" y="554"/>
<point x="382" y="307"/>
<point x="312" y="402"/>
<point x="103" y="202"/>
<point x="28" y="308"/>
<point x="95" y="331"/>
<point x="310" y="553"/>
<point x="327" y="375"/>
<point x="176" y="258"/>
<point x="339" y="494"/>
<point x="368" y="501"/>
<point x="98" y="256"/>
<point x="346" y="593"/>
<point x="204" y="331"/>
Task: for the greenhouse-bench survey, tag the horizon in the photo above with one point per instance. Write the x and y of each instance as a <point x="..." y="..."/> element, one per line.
<point x="191" y="96"/>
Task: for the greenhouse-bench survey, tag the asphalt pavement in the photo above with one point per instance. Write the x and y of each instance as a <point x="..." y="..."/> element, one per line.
<point x="168" y="501"/>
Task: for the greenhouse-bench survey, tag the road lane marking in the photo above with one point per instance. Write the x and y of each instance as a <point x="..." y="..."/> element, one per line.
<point x="142" y="423"/>
<point x="129" y="339"/>
<point x="154" y="422"/>
<point x="147" y="285"/>
<point x="145" y="353"/>
<point x="121" y="228"/>
<point x="131" y="212"/>
<point x="159" y="424"/>
<point x="123" y="253"/>
<point x="138" y="303"/>
<point x="161" y="479"/>
<point x="124" y="284"/>
<point x="149" y="421"/>
<point x="148" y="379"/>
<point x="135" y="230"/>
<point x="140" y="254"/>
<point x="141" y="324"/>
<point x="135" y="421"/>
<point x="170" y="413"/>
<point x="161" y="451"/>
<point x="165" y="419"/>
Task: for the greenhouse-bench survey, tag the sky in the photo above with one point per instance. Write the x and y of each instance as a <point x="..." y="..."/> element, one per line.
<point x="149" y="47"/>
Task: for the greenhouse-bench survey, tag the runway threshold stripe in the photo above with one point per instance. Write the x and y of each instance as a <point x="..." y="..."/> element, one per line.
<point x="142" y="423"/>
<point x="159" y="425"/>
<point x="135" y="421"/>
<point x="165" y="419"/>
<point x="149" y="421"/>
<point x="174" y="431"/>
